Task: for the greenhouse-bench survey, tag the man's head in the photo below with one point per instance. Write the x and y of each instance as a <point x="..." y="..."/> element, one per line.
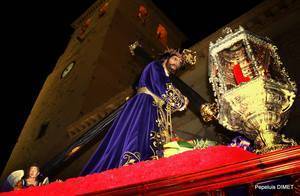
<point x="33" y="171"/>
<point x="174" y="63"/>
<point x="173" y="59"/>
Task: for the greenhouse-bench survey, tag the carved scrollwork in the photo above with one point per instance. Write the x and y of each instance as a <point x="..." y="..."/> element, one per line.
<point x="174" y="98"/>
<point x="157" y="140"/>
<point x="209" y="111"/>
<point x="131" y="158"/>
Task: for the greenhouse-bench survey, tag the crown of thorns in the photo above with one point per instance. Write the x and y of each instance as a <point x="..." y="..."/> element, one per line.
<point x="187" y="56"/>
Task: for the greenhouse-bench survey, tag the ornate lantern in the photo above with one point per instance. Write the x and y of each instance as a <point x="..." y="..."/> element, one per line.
<point x="252" y="88"/>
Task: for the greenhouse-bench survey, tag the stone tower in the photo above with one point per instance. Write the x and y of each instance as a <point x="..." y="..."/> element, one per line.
<point x="91" y="78"/>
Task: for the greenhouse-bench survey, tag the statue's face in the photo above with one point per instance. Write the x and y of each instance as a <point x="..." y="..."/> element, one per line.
<point x="174" y="63"/>
<point x="33" y="171"/>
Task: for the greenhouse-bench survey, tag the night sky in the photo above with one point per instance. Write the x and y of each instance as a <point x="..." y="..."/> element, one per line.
<point x="41" y="31"/>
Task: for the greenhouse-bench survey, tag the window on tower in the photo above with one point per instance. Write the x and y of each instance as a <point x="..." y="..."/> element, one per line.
<point x="142" y="14"/>
<point x="84" y="27"/>
<point x="103" y="8"/>
<point x="42" y="130"/>
<point x="162" y="35"/>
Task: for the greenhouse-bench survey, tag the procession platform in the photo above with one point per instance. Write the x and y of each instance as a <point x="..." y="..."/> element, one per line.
<point x="197" y="171"/>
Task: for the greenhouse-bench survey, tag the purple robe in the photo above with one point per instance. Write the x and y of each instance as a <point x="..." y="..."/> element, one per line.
<point x="128" y="140"/>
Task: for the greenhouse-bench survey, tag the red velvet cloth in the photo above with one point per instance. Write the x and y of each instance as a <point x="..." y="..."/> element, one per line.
<point x="238" y="74"/>
<point x="184" y="163"/>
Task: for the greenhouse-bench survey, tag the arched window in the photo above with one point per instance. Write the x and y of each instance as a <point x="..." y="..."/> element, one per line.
<point x="162" y="35"/>
<point x="103" y="8"/>
<point x="142" y="13"/>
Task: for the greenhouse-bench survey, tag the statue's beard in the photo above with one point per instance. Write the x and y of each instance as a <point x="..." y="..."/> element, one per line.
<point x="170" y="68"/>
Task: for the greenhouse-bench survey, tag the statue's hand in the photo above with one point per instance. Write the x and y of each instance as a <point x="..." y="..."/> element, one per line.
<point x="186" y="103"/>
<point x="209" y="111"/>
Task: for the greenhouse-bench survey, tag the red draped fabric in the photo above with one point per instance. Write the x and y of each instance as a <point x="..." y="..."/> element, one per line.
<point x="238" y="74"/>
<point x="189" y="172"/>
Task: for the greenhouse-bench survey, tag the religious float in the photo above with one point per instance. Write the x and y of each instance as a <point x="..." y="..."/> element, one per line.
<point x="253" y="96"/>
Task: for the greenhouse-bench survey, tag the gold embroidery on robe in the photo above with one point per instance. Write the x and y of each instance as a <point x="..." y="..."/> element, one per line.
<point x="131" y="157"/>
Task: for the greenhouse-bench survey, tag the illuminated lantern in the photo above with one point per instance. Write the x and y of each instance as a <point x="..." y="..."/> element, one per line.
<point x="252" y="88"/>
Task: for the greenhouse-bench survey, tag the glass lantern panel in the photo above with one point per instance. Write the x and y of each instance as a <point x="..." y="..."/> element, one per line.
<point x="235" y="65"/>
<point x="269" y="66"/>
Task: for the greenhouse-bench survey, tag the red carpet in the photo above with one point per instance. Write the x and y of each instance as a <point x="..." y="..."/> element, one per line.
<point x="184" y="163"/>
